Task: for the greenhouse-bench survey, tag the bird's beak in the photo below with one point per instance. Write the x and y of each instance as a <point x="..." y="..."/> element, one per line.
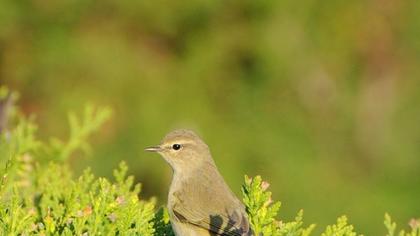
<point x="153" y="149"/>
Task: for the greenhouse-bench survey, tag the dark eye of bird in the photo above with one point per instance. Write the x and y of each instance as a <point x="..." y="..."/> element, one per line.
<point x="176" y="146"/>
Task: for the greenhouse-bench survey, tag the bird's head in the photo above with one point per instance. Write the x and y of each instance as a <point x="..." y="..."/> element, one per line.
<point x="183" y="150"/>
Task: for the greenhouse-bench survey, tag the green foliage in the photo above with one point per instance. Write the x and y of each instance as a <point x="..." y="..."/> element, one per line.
<point x="259" y="206"/>
<point x="162" y="224"/>
<point x="59" y="205"/>
<point x="295" y="227"/>
<point x="262" y="213"/>
<point x="79" y="132"/>
<point x="391" y="227"/>
<point x="39" y="195"/>
<point x="341" y="228"/>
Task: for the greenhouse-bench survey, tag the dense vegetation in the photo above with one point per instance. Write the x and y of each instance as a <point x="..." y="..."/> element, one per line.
<point x="40" y="196"/>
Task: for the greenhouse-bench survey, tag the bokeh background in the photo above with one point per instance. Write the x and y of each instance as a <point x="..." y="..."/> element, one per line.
<point x="321" y="98"/>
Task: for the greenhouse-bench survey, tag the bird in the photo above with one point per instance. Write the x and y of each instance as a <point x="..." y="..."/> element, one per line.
<point x="200" y="203"/>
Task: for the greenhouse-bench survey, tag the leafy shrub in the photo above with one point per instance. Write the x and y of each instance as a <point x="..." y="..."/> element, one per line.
<point x="39" y="196"/>
<point x="391" y="227"/>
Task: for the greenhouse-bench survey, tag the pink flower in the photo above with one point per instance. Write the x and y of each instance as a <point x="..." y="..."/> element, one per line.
<point x="112" y="217"/>
<point x="87" y="211"/>
<point x="120" y="200"/>
<point x="268" y="202"/>
<point x="264" y="185"/>
<point x="414" y="224"/>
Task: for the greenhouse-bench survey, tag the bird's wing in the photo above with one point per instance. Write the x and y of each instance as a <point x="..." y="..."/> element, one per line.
<point x="211" y="206"/>
<point x="218" y="224"/>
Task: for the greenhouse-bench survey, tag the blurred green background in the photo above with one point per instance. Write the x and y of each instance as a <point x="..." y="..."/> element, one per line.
<point x="321" y="98"/>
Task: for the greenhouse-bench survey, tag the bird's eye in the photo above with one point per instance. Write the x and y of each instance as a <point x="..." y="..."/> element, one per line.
<point x="176" y="146"/>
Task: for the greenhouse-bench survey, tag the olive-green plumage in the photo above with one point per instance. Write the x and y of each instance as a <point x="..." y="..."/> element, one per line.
<point x="199" y="202"/>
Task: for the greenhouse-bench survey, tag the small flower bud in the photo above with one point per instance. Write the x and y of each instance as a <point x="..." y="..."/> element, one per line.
<point x="87" y="211"/>
<point x="112" y="217"/>
<point x="264" y="185"/>
<point x="120" y="200"/>
<point x="414" y="224"/>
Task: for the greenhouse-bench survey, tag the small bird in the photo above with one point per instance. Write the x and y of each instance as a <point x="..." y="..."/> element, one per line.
<point x="200" y="203"/>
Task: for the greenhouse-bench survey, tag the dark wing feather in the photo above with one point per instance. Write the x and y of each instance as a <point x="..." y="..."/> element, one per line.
<point x="217" y="224"/>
